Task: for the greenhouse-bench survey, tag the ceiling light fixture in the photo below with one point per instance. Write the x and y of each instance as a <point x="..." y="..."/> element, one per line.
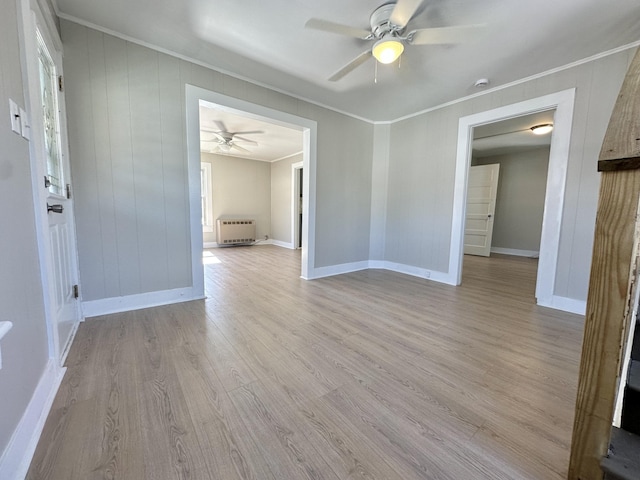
<point x="542" y="128"/>
<point x="387" y="49"/>
<point x="224" y="147"/>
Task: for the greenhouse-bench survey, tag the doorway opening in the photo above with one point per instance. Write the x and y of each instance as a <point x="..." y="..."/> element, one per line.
<point x="506" y="189"/>
<point x="562" y="102"/>
<point x="223" y="103"/>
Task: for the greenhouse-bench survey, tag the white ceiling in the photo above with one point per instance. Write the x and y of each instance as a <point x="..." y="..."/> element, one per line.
<point x="274" y="143"/>
<point x="511" y="136"/>
<point x="267" y="43"/>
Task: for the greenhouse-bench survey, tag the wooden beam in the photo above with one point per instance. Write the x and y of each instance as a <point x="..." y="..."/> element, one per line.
<point x="612" y="282"/>
<point x="607" y="318"/>
<point x="622" y="139"/>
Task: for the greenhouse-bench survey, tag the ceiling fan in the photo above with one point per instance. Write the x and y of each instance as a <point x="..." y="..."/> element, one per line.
<point x="389" y="30"/>
<point x="225" y="140"/>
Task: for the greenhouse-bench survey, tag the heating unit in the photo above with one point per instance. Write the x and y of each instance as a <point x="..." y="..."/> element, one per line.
<point x="235" y="231"/>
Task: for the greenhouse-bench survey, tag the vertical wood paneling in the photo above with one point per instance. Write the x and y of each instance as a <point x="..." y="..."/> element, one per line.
<point x="122" y="165"/>
<point x="78" y="97"/>
<point x="174" y="167"/>
<point x="148" y="167"/>
<point x="103" y="168"/>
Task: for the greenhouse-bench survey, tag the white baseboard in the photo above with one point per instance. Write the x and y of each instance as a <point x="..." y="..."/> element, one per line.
<point x="210" y="245"/>
<point x="516" y="252"/>
<point x="67" y="347"/>
<point x="320" y="272"/>
<point x="440" y="277"/>
<point x="106" y="306"/>
<point x="14" y="462"/>
<point x="278" y="243"/>
<point x="565" y="304"/>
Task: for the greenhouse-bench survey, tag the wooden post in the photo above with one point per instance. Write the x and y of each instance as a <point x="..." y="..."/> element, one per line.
<point x="612" y="282"/>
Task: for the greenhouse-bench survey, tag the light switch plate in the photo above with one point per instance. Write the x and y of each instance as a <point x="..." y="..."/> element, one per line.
<point x="15" y="116"/>
<point x="25" y="126"/>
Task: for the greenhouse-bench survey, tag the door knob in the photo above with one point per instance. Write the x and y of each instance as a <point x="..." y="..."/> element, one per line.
<point x="57" y="208"/>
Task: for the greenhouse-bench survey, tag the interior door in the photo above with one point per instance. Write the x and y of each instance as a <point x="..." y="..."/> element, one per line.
<point x="49" y="144"/>
<point x="481" y="204"/>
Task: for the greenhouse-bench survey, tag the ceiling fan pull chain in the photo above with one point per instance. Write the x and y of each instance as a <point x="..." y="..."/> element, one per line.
<point x="375" y="72"/>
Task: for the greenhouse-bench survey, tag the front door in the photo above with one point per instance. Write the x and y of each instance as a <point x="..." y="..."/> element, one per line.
<point x="54" y="197"/>
<point x="481" y="205"/>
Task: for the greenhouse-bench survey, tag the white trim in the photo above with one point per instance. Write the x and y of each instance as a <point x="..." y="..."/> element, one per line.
<point x="208" y="196"/>
<point x="278" y="243"/>
<point x="67" y="347"/>
<point x="321" y="272"/>
<point x="515" y="252"/>
<point x="571" y="305"/>
<point x="440" y="277"/>
<point x="210" y="245"/>
<point x="16" y="458"/>
<point x="105" y="306"/>
<point x="309" y="143"/>
<point x="4" y="328"/>
<point x="286" y="156"/>
<point x="563" y="103"/>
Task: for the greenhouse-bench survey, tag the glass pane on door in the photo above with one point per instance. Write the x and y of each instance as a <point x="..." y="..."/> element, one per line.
<point x="49" y="100"/>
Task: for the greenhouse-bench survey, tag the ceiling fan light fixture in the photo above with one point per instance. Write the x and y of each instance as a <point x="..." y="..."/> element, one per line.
<point x="387" y="50"/>
<point x="224" y="147"/>
<point x="542" y="128"/>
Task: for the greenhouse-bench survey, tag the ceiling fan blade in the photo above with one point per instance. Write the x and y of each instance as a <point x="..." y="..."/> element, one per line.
<point x="251" y="132"/>
<point x="218" y="137"/>
<point x="244" y="140"/>
<point x="352" y="65"/>
<point x="221" y="126"/>
<point x="327" y="26"/>
<point x="238" y="147"/>
<point x="443" y="35"/>
<point x="404" y="11"/>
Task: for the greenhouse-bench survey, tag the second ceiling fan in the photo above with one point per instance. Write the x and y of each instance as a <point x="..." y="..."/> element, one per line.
<point x="225" y="140"/>
<point x="389" y="31"/>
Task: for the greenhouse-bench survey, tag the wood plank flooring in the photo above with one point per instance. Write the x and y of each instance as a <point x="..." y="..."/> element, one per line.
<point x="369" y="375"/>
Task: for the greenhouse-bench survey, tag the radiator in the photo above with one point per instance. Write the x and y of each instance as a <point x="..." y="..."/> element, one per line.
<point x="235" y="231"/>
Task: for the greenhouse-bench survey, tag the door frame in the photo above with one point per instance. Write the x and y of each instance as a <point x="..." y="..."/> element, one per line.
<point x="563" y="103"/>
<point x="32" y="19"/>
<point x="295" y="203"/>
<point x="309" y="130"/>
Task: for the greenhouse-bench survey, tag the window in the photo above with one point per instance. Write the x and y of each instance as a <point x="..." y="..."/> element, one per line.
<point x="206" y="197"/>
<point x="49" y="100"/>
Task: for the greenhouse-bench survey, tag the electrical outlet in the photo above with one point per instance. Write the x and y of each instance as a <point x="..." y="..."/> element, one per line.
<point x="14" y="111"/>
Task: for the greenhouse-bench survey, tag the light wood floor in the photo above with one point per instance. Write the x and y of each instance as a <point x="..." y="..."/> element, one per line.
<point x="369" y="375"/>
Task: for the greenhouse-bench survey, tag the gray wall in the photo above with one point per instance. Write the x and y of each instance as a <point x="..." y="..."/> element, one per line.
<point x="241" y="188"/>
<point x="422" y="167"/>
<point x="24" y="349"/>
<point x="520" y="198"/>
<point x="281" y="198"/>
<point x="126" y="107"/>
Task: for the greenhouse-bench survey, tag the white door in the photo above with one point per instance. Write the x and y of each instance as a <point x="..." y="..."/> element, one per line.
<point x="481" y="204"/>
<point x="52" y="183"/>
